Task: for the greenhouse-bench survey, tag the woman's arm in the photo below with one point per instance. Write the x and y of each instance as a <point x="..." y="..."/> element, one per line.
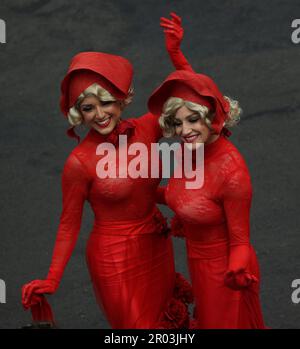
<point x="75" y="191"/>
<point x="237" y="196"/>
<point x="173" y="36"/>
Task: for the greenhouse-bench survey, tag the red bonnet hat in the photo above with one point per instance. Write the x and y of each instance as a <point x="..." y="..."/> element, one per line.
<point x="113" y="73"/>
<point x="197" y="88"/>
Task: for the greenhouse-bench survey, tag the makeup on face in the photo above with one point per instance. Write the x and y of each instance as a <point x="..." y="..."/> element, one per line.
<point x="190" y="126"/>
<point x="102" y="116"/>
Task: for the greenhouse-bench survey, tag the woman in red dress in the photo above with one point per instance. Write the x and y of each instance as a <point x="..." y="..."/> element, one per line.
<point x="129" y="254"/>
<point x="214" y="219"/>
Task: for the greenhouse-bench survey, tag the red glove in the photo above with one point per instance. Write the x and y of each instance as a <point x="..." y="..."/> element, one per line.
<point x="31" y="292"/>
<point x="239" y="280"/>
<point x="236" y="276"/>
<point x="173" y="37"/>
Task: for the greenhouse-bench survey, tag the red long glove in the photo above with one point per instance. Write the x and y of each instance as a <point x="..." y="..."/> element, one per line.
<point x="239" y="279"/>
<point x="173" y="36"/>
<point x="75" y="191"/>
<point x="32" y="291"/>
<point x="40" y="308"/>
<point x="237" y="196"/>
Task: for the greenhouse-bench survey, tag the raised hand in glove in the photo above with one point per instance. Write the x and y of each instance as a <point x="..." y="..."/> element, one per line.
<point x="173" y="36"/>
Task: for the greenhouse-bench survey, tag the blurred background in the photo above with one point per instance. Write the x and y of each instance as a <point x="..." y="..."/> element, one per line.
<point x="244" y="45"/>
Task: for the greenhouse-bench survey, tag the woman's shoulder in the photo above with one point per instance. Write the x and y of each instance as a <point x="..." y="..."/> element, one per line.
<point x="234" y="153"/>
<point x="74" y="165"/>
<point x="236" y="179"/>
<point x="232" y="159"/>
<point x="86" y="147"/>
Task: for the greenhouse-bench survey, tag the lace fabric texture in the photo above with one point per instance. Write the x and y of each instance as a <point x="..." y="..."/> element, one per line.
<point x="129" y="256"/>
<point x="215" y="222"/>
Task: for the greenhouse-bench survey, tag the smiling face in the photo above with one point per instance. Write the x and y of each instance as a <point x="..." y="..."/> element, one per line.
<point x="102" y="116"/>
<point x="191" y="128"/>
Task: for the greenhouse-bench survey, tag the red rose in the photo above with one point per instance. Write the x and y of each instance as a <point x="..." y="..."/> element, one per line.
<point x="183" y="289"/>
<point x="175" y="316"/>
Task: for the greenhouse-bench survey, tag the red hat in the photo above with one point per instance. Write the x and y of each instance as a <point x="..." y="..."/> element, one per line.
<point x="113" y="73"/>
<point x="197" y="88"/>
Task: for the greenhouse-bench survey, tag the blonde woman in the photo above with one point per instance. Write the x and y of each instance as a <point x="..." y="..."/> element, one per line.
<point x="129" y="255"/>
<point x="214" y="219"/>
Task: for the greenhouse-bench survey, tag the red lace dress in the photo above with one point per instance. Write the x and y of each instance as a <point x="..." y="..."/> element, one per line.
<point x="215" y="223"/>
<point x="129" y="255"/>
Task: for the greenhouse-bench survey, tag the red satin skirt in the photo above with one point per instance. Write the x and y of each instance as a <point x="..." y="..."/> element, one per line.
<point x="217" y="306"/>
<point x="133" y="276"/>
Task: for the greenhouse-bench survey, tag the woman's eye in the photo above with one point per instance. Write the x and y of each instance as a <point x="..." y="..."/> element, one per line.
<point x="87" y="108"/>
<point x="177" y="123"/>
<point x="106" y="102"/>
<point x="194" y="120"/>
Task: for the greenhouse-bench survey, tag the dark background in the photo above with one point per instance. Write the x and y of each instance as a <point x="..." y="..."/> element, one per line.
<point x="244" y="45"/>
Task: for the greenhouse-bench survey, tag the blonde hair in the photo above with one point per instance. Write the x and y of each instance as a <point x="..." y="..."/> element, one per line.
<point x="74" y="115"/>
<point x="166" y="120"/>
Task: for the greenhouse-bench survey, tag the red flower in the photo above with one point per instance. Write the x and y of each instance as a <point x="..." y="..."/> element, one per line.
<point x="175" y="316"/>
<point x="183" y="290"/>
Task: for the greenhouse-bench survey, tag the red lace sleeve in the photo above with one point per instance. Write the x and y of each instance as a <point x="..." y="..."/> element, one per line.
<point x="237" y="195"/>
<point x="173" y="37"/>
<point x="179" y="60"/>
<point x="75" y="191"/>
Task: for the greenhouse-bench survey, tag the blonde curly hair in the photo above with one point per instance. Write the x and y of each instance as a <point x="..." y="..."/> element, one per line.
<point x="166" y="120"/>
<point x="74" y="115"/>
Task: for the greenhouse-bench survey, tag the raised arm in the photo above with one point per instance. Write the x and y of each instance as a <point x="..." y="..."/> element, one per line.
<point x="75" y="191"/>
<point x="173" y="36"/>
